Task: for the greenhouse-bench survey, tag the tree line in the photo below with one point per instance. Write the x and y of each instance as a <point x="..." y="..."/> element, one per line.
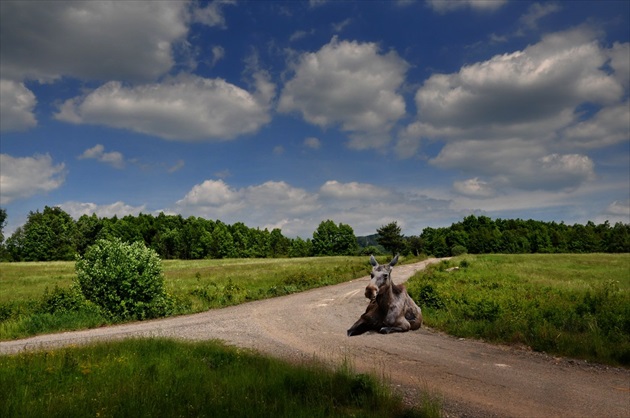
<point x="54" y="235"/>
<point x="483" y="235"/>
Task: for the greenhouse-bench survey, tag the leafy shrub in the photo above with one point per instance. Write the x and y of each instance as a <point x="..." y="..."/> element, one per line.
<point x="61" y="300"/>
<point x="430" y="297"/>
<point x="125" y="280"/>
<point x="458" y="250"/>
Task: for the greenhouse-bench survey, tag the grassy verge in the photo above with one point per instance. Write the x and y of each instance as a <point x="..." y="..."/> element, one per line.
<point x="572" y="305"/>
<point x="37" y="298"/>
<point x="157" y="377"/>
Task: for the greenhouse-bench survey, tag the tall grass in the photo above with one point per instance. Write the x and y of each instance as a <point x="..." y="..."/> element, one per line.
<point x="573" y="305"/>
<point x="164" y="378"/>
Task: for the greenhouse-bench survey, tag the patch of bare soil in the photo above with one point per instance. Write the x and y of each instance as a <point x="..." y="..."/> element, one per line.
<point x="473" y="378"/>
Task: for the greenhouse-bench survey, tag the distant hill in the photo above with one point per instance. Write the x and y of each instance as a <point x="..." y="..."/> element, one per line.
<point x="371" y="241"/>
<point x="368" y="240"/>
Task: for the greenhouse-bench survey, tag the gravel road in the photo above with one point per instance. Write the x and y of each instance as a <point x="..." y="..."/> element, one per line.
<point x="474" y="379"/>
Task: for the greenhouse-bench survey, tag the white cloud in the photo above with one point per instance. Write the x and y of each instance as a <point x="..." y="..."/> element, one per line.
<point x="516" y="164"/>
<point x="317" y="3"/>
<point x="340" y="26"/>
<point x="473" y="188"/>
<point x="212" y="14"/>
<point x="312" y="142"/>
<point x="186" y="108"/>
<point x="257" y="205"/>
<point x="218" y="52"/>
<point x="620" y="62"/>
<point x="178" y="166"/>
<point x="210" y="193"/>
<point x="300" y="34"/>
<point x="517" y="93"/>
<point x="352" y="190"/>
<point x="620" y="209"/>
<point x="298" y="212"/>
<point x="537" y="11"/>
<point x="348" y="84"/>
<point x="512" y="120"/>
<point x="119" y="209"/>
<point x="22" y="177"/>
<point x="16" y="107"/>
<point x="444" y="6"/>
<point x="609" y="126"/>
<point x="90" y="40"/>
<point x="97" y="152"/>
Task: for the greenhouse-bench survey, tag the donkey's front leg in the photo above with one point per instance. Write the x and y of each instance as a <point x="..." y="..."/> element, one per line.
<point x="401" y="325"/>
<point x="388" y="330"/>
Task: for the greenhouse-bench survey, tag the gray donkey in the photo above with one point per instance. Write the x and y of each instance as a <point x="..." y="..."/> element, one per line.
<point x="391" y="309"/>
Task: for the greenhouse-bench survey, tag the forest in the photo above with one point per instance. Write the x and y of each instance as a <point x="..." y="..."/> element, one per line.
<point x="53" y="234"/>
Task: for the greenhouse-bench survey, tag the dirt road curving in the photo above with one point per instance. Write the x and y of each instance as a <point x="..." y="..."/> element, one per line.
<point x="473" y="378"/>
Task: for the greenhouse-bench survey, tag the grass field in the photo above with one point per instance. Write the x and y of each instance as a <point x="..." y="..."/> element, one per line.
<point x="575" y="305"/>
<point x="37" y="298"/>
<point x="571" y="305"/>
<point x="164" y="378"/>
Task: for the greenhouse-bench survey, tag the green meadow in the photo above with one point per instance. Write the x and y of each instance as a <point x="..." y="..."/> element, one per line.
<point x="564" y="304"/>
<point x="166" y="378"/>
<point x="38" y="297"/>
<point x="573" y="305"/>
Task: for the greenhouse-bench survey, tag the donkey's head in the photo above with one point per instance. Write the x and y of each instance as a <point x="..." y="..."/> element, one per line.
<point x="380" y="277"/>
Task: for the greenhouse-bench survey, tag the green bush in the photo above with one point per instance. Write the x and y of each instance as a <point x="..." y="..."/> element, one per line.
<point x="125" y="280"/>
<point x="458" y="250"/>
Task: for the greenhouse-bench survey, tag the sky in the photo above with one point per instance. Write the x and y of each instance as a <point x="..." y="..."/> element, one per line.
<point x="284" y="114"/>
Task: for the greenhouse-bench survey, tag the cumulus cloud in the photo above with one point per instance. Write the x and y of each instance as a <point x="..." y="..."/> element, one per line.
<point x="218" y="52"/>
<point x="97" y="152"/>
<point x="350" y="84"/>
<point x="187" y="107"/>
<point x="259" y="205"/>
<point x="90" y="40"/>
<point x="620" y="62"/>
<point x="537" y="11"/>
<point x="621" y="209"/>
<point x="511" y="120"/>
<point x="22" y="177"/>
<point x="298" y="212"/>
<point x="444" y="6"/>
<point x="312" y="142"/>
<point x="608" y="126"/>
<point x="473" y="188"/>
<point x="352" y="190"/>
<point x="513" y="93"/>
<point x="516" y="164"/>
<point x="212" y="13"/>
<point x="77" y="209"/>
<point x="16" y="107"/>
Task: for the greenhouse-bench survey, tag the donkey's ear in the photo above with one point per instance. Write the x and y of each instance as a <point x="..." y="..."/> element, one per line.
<point x="373" y="261"/>
<point x="394" y="261"/>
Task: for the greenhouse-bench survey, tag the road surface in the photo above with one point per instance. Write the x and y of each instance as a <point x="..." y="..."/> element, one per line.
<point x="473" y="378"/>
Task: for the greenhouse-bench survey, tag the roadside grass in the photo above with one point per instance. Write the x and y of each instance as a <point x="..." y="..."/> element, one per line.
<point x="574" y="305"/>
<point x="37" y="298"/>
<point x="167" y="378"/>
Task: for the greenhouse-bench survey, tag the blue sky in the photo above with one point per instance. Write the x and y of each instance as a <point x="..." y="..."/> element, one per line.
<point x="285" y="114"/>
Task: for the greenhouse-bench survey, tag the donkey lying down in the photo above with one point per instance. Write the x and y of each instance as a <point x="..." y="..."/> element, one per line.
<point x="391" y="309"/>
